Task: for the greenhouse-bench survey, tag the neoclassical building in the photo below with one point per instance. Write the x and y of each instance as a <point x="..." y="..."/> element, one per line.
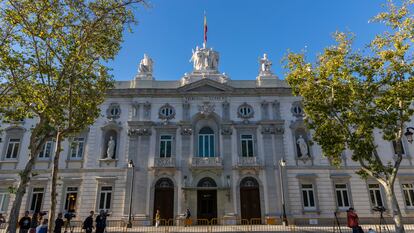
<point x="204" y="142"/>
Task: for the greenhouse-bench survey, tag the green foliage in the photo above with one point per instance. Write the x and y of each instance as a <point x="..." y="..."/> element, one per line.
<point x="12" y="189"/>
<point x="349" y="95"/>
<point x="52" y="67"/>
<point x="52" y="56"/>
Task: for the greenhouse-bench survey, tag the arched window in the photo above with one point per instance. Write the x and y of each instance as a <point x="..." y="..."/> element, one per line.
<point x="249" y="182"/>
<point x="206" y="142"/>
<point x="206" y="182"/>
<point x="164" y="183"/>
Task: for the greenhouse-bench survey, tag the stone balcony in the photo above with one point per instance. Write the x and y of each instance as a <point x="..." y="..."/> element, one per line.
<point x="206" y="162"/>
<point x="249" y="162"/>
<point x="167" y="162"/>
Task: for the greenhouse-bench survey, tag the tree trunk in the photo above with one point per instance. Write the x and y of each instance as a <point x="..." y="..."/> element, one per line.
<point x="394" y="208"/>
<point x="55" y="171"/>
<point x="36" y="140"/>
<point x="21" y="190"/>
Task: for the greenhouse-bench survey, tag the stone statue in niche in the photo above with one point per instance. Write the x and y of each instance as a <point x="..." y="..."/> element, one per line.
<point x="303" y="147"/>
<point x="111" y="148"/>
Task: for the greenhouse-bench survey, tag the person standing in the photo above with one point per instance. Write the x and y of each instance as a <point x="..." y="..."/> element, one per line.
<point x="352" y="220"/>
<point x="88" y="223"/>
<point x="34" y="223"/>
<point x="2" y="219"/>
<point x="42" y="228"/>
<point x="157" y="218"/>
<point x="59" y="223"/>
<point x="101" y="222"/>
<point x="24" y="223"/>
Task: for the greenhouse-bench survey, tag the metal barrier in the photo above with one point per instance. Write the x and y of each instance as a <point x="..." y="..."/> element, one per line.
<point x="216" y="225"/>
<point x="3" y="227"/>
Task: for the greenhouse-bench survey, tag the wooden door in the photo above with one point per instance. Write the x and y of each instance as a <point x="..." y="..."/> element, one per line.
<point x="206" y="204"/>
<point x="250" y="199"/>
<point x="164" y="199"/>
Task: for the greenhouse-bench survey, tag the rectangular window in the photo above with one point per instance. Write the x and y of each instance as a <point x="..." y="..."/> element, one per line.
<point x="165" y="146"/>
<point x="37" y="199"/>
<point x="206" y="145"/>
<point x="46" y="150"/>
<point x="342" y="198"/>
<point x="408" y="191"/>
<point x="4" y="201"/>
<point x="375" y="195"/>
<point x="13" y="148"/>
<point x="394" y="145"/>
<point x="308" y="197"/>
<point x="71" y="198"/>
<point x="247" y="145"/>
<point x="76" y="151"/>
<point x="105" y="196"/>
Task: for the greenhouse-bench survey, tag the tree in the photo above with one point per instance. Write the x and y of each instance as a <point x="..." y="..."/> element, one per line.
<point x="349" y="95"/>
<point x="52" y="68"/>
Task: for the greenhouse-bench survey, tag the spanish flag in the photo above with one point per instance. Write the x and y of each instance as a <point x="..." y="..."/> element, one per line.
<point x="205" y="30"/>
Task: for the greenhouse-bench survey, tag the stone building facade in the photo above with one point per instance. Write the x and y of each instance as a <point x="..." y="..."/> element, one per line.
<point x="204" y="142"/>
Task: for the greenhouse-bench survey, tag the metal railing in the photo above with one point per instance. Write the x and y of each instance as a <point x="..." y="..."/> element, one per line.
<point x="201" y="162"/>
<point x="249" y="162"/>
<point x="216" y="225"/>
<point x="164" y="162"/>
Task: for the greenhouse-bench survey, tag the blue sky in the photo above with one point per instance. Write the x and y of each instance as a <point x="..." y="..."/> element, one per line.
<point x="241" y="31"/>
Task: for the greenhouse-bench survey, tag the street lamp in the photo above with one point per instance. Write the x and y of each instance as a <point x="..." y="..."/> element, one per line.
<point x="131" y="166"/>
<point x="282" y="164"/>
<point x="409" y="134"/>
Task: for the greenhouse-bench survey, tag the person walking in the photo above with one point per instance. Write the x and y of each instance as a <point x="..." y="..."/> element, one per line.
<point x="42" y="228"/>
<point x="157" y="218"/>
<point x="24" y="223"/>
<point x="101" y="222"/>
<point x="352" y="221"/>
<point x="187" y="217"/>
<point x="88" y="223"/>
<point x="59" y="223"/>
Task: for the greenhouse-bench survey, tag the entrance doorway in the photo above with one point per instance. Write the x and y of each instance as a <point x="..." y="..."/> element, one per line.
<point x="164" y="199"/>
<point x="250" y="199"/>
<point x="207" y="199"/>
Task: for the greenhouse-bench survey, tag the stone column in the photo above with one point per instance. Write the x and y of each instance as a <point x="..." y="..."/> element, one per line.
<point x="265" y="110"/>
<point x="269" y="169"/>
<point x="276" y="110"/>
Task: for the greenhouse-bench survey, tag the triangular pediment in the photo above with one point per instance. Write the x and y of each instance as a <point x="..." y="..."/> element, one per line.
<point x="205" y="85"/>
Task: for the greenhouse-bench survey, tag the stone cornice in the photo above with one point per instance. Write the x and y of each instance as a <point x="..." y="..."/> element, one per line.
<point x="163" y="92"/>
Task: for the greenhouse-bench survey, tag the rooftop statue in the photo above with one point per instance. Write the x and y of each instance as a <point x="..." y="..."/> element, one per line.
<point x="205" y="60"/>
<point x="145" y="66"/>
<point x="265" y="65"/>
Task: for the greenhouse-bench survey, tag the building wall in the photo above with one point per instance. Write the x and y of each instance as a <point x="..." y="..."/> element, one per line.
<point x="274" y="138"/>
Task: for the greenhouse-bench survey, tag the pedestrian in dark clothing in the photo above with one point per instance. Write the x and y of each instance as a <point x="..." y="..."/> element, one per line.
<point x="2" y="219"/>
<point x="59" y="223"/>
<point x="88" y="223"/>
<point x="24" y="223"/>
<point x="34" y="223"/>
<point x="101" y="222"/>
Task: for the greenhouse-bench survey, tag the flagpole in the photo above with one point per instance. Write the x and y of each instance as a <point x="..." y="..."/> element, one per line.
<point x="205" y="31"/>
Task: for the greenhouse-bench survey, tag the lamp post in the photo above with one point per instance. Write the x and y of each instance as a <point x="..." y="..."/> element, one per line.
<point x="409" y="134"/>
<point x="282" y="164"/>
<point x="131" y="166"/>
